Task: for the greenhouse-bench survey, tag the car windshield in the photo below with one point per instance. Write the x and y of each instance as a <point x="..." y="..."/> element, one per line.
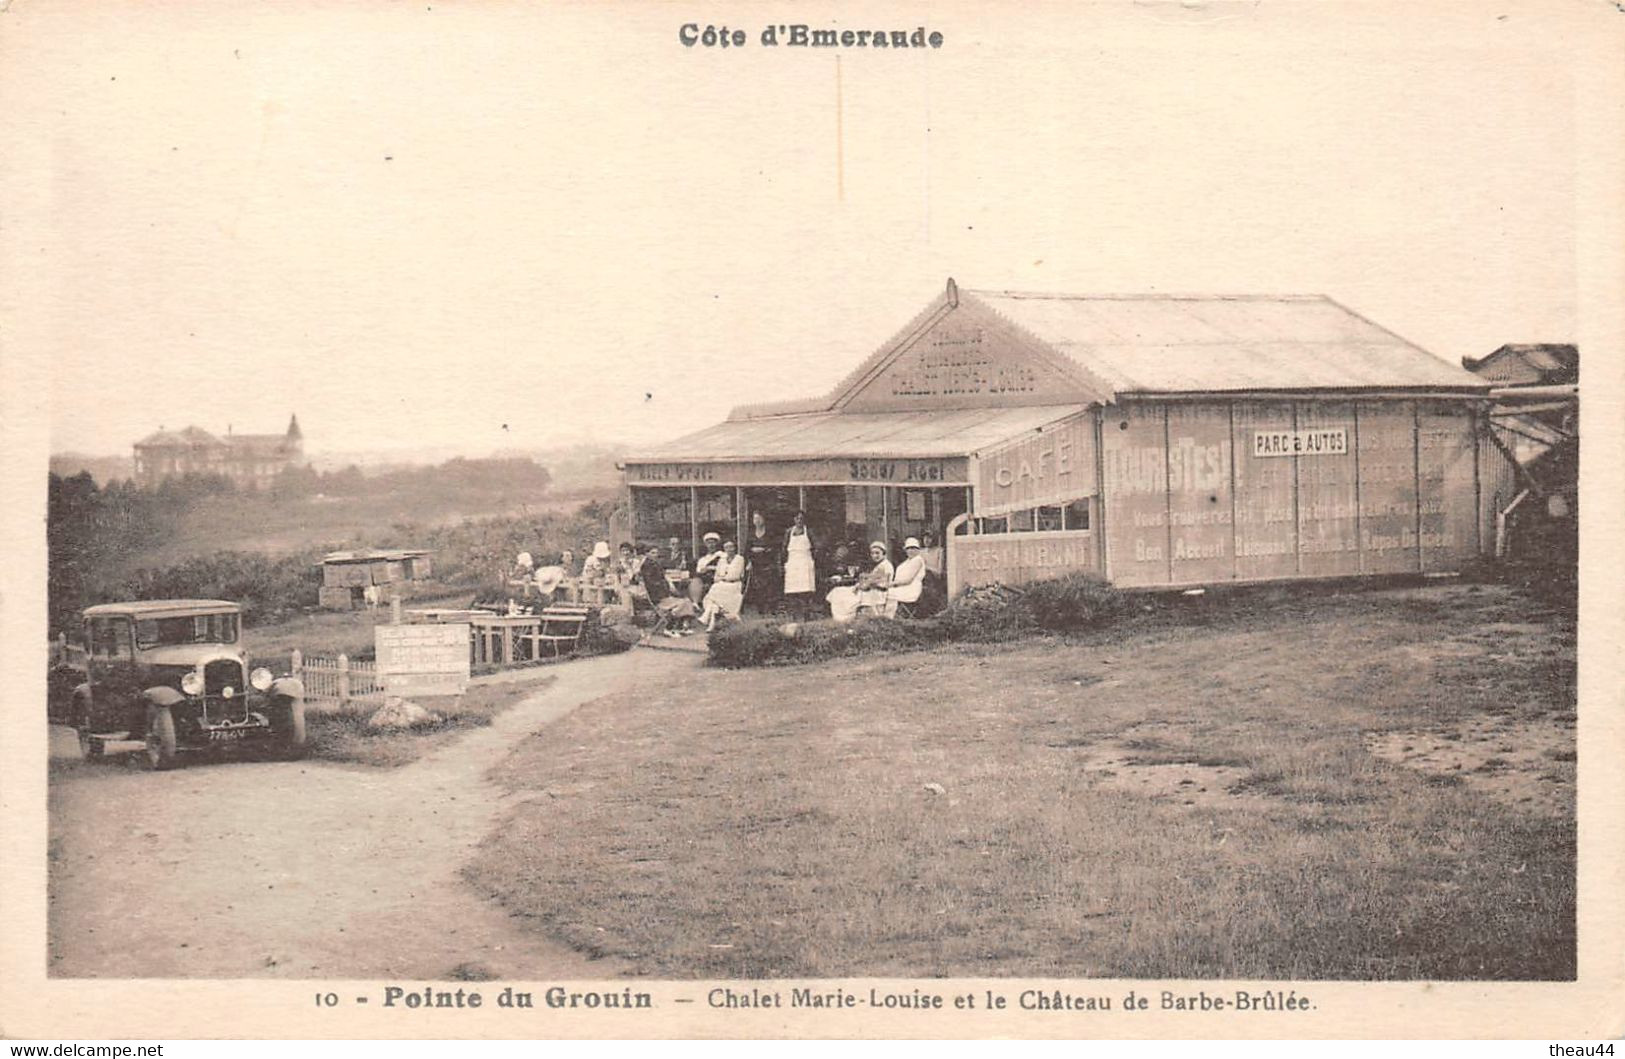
<point x="196" y="628"/>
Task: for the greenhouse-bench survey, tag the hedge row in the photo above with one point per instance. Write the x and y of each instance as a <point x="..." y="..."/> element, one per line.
<point x="995" y="612"/>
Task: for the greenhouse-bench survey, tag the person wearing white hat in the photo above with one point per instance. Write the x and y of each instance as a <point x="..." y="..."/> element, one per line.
<point x="705" y="568"/>
<point x="727" y="595"/>
<point x="870" y="591"/>
<point x="548" y="580"/>
<point x="597" y="565"/>
<point x="908" y="579"/>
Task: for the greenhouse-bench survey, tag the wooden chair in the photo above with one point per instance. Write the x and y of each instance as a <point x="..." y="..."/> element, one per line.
<point x="561" y="627"/>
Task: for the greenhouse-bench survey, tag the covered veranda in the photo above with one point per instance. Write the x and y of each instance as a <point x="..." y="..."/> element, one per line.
<point x="860" y="477"/>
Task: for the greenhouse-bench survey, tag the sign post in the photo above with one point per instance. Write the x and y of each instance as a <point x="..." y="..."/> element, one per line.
<point x="423" y="659"/>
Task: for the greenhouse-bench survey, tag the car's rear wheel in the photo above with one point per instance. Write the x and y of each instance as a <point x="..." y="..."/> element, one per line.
<point x="287" y="717"/>
<point x="160" y="738"/>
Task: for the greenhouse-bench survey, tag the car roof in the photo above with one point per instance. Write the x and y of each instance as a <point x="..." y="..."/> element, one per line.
<point x="162" y="608"/>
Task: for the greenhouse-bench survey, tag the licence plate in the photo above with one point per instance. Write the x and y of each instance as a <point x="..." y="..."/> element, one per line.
<point x="226" y="735"/>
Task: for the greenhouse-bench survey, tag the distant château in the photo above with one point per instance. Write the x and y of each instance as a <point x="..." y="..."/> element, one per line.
<point x="252" y="461"/>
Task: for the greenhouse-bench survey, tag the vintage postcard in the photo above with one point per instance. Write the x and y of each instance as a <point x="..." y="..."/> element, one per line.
<point x="535" y="520"/>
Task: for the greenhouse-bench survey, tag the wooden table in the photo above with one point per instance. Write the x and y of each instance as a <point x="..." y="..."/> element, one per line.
<point x="496" y="637"/>
<point x="595" y="593"/>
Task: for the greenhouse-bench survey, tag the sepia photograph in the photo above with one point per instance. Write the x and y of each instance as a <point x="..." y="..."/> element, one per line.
<point x="765" y="520"/>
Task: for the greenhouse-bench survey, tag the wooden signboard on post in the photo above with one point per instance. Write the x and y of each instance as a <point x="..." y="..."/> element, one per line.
<point x="423" y="659"/>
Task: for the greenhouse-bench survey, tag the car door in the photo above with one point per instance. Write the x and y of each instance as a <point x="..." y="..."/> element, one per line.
<point x="114" y="682"/>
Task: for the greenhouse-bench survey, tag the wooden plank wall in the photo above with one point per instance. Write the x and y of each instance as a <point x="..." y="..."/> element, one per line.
<point x="1188" y="502"/>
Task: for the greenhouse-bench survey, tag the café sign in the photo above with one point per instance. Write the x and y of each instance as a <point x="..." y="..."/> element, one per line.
<point x="1048" y="467"/>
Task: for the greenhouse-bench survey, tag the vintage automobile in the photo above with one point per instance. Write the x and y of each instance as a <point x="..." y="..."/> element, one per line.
<point x="171" y="673"/>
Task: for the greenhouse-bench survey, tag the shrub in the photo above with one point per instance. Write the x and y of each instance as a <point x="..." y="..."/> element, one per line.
<point x="989" y="612"/>
<point x="1065" y="604"/>
<point x="268" y="589"/>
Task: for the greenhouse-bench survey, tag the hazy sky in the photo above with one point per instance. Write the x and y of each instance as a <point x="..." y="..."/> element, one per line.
<point x="490" y="225"/>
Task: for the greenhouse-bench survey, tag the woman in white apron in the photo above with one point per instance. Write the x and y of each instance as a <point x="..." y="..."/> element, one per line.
<point x="800" y="572"/>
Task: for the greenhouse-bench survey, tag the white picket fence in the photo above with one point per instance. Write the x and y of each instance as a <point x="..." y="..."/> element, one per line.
<point x="64" y="653"/>
<point x="337" y="681"/>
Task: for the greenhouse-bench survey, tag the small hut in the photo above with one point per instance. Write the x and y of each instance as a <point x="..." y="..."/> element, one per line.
<point x="370" y="576"/>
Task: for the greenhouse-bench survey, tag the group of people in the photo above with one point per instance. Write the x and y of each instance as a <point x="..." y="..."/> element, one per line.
<point x="768" y="574"/>
<point x="784" y="573"/>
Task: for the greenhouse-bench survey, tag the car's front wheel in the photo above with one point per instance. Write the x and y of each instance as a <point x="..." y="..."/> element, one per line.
<point x="287" y="717"/>
<point x="160" y="738"/>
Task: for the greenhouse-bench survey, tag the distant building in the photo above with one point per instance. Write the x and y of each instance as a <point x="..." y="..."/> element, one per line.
<point x="1535" y="422"/>
<point x="252" y="461"/>
<point x="1537" y="396"/>
<point x="1528" y="364"/>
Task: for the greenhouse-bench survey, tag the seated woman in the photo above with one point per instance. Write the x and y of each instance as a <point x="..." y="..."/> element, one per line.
<point x="598" y="564"/>
<point x="677" y="610"/>
<point x="868" y="593"/>
<point x="908" y="579"/>
<point x="843" y="569"/>
<point x="547" y="582"/>
<point x="727" y="593"/>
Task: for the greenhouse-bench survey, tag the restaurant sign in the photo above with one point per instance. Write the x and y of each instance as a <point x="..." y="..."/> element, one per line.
<point x="1017" y="558"/>
<point x="423" y="659"/>
<point x="1325" y="442"/>
<point x="1045" y="468"/>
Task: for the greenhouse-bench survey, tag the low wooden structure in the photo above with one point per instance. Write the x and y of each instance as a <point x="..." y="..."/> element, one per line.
<point x="371" y="576"/>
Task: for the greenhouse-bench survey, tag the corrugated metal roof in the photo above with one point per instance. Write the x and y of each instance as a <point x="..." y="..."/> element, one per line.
<point x="836" y="435"/>
<point x="1225" y="343"/>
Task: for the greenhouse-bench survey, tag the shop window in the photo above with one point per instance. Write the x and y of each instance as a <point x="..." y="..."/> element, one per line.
<point x="1076" y="514"/>
<point x="913" y="505"/>
<point x="995" y="525"/>
<point x="1021" y="521"/>
<point x="1047" y="519"/>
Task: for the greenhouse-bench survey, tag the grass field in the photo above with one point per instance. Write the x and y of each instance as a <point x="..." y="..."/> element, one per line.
<point x="259" y="524"/>
<point x="1372" y="785"/>
<point x="343" y="735"/>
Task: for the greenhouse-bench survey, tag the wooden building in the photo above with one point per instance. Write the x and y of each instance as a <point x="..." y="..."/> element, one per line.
<point x="389" y="574"/>
<point x="1155" y="440"/>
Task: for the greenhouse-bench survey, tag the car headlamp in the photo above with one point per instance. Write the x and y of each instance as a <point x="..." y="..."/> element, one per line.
<point x="227" y="692"/>
<point x="260" y="679"/>
<point x="192" y="683"/>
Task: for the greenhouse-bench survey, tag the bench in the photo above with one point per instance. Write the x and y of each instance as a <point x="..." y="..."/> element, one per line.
<point x="561" y="627"/>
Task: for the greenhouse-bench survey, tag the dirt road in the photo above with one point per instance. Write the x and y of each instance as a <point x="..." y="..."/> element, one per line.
<point x="305" y="869"/>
